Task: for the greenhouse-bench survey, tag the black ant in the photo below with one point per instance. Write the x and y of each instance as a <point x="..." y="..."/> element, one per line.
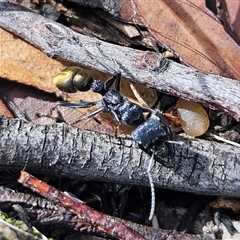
<point x="149" y="133"/>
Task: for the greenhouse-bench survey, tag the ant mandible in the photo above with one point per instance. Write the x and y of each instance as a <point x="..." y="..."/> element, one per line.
<point x="148" y="133"/>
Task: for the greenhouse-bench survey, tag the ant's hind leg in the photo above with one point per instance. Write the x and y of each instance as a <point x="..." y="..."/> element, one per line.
<point x="171" y="149"/>
<point x="168" y="164"/>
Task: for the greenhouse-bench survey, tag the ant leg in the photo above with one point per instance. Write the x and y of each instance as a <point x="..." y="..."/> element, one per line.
<point x="16" y="111"/>
<point x="74" y="105"/>
<point x="118" y="81"/>
<point x="115" y="116"/>
<point x="167" y="164"/>
<point x="147" y="110"/>
<point x="115" y="78"/>
<point x="92" y="114"/>
<point x="82" y="105"/>
<point x="171" y="149"/>
<point x="66" y="104"/>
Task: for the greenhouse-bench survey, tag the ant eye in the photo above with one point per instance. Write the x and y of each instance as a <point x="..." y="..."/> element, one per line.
<point x="73" y="79"/>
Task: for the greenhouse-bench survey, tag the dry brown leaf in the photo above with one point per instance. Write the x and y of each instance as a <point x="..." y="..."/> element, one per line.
<point x="191" y="30"/>
<point x="24" y="63"/>
<point x="229" y="13"/>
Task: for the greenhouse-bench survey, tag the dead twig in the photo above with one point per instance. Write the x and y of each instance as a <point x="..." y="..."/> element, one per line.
<point x="110" y="225"/>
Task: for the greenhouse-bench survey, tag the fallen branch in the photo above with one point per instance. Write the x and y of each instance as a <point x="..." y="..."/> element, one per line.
<point x="145" y="67"/>
<point x="201" y="166"/>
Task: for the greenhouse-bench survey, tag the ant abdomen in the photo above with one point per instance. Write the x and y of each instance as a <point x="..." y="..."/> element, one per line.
<point x="73" y="79"/>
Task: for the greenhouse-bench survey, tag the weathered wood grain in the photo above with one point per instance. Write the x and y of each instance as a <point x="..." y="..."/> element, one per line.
<point x="201" y="166"/>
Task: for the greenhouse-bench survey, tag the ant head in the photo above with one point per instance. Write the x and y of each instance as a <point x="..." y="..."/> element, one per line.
<point x="73" y="79"/>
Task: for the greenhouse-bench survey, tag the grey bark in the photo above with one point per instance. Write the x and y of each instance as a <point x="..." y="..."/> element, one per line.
<point x="141" y="66"/>
<point x="201" y="166"/>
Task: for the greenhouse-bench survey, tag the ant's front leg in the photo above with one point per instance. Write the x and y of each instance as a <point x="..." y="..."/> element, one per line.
<point x="65" y="104"/>
<point x="115" y="78"/>
<point x="74" y="105"/>
<point x="81" y="105"/>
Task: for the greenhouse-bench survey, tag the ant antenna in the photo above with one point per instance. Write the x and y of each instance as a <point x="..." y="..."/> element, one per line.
<point x="109" y="68"/>
<point x="152" y="187"/>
